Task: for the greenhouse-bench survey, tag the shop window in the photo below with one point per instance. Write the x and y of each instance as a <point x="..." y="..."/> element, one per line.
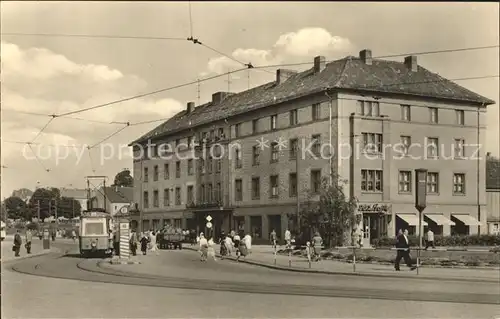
<point x="256" y="226"/>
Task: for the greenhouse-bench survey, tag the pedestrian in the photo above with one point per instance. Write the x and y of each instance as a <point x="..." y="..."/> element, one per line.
<point x="133" y="242"/>
<point x="317" y="243"/>
<point x="273" y="238"/>
<point x="288" y="239"/>
<point x="403" y="250"/>
<point x="430" y="240"/>
<point x="248" y="243"/>
<point x="237" y="243"/>
<point x="232" y="234"/>
<point x="29" y="237"/>
<point x="144" y="244"/>
<point x="228" y="244"/>
<point x="211" y="249"/>
<point x="203" y="247"/>
<point x="73" y="235"/>
<point x="17" y="243"/>
<point x="154" y="246"/>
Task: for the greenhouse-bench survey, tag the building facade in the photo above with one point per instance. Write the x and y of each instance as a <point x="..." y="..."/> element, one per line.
<point x="113" y="199"/>
<point x="493" y="194"/>
<point x="384" y="119"/>
<point x="79" y="194"/>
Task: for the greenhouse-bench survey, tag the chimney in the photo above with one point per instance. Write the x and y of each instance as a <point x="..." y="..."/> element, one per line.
<point x="319" y="64"/>
<point x="282" y="75"/>
<point x="411" y="63"/>
<point x="190" y="107"/>
<point x="219" y="97"/>
<point x="366" y="56"/>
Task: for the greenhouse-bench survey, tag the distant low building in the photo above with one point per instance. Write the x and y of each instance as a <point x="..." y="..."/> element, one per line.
<point x="112" y="198"/>
<point x="78" y="194"/>
<point x="493" y="194"/>
<point x="23" y="193"/>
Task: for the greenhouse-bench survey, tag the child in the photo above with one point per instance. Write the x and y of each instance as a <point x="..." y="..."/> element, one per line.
<point x="211" y="249"/>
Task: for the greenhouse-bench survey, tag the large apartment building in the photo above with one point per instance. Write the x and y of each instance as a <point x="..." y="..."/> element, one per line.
<point x="273" y="142"/>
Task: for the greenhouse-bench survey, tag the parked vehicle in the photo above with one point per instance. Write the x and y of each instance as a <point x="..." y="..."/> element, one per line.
<point x="172" y="238"/>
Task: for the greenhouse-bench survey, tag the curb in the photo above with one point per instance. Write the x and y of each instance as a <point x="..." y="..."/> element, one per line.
<point x="124" y="262"/>
<point x="45" y="252"/>
<point x="343" y="273"/>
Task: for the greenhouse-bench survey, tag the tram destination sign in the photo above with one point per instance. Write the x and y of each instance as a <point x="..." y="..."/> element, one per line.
<point x="373" y="208"/>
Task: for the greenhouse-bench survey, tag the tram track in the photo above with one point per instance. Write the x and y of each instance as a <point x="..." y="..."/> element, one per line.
<point x="64" y="266"/>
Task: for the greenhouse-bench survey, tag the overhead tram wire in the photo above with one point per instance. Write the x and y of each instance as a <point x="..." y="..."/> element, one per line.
<point x="91" y="36"/>
<point x="43" y="128"/>
<point x="109" y="136"/>
<point x="67" y="117"/>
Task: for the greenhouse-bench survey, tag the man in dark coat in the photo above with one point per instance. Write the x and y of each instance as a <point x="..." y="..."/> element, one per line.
<point x="18" y="241"/>
<point x="403" y="250"/>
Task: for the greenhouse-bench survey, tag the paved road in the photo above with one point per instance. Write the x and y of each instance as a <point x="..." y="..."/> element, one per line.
<point x="215" y="284"/>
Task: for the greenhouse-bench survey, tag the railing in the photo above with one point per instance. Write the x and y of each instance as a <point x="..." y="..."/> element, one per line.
<point x="216" y="204"/>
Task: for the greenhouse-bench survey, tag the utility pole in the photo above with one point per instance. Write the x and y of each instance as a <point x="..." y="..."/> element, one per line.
<point x="104" y="190"/>
<point x="55" y="207"/>
<point x="298" y="193"/>
<point x="38" y="210"/>
<point x="198" y="86"/>
<point x="228" y="80"/>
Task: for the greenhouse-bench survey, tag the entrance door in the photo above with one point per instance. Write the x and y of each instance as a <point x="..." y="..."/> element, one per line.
<point x="366" y="230"/>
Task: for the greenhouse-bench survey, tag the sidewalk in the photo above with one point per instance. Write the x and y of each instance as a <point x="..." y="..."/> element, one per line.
<point x="264" y="256"/>
<point x="36" y="250"/>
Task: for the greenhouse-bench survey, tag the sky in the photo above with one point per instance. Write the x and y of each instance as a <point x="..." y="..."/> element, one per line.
<point x="54" y="75"/>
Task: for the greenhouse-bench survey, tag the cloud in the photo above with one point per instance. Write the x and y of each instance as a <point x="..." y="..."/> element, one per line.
<point x="290" y="47"/>
<point x="41" y="81"/>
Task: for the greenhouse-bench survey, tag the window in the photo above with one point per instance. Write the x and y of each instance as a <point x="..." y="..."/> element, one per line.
<point x="460" y="117"/>
<point x="371" y="180"/>
<point x="274" y="186"/>
<point x="218" y="165"/>
<point x="190" y="166"/>
<point x="202" y="193"/>
<point x="218" y="193"/>
<point x="294" y="119"/>
<point x="433" y="112"/>
<point x="405" y="181"/>
<point x="255" y="155"/>
<point x="177" y="169"/>
<point x="459" y="184"/>
<point x="405" y="113"/>
<point x="369" y="108"/>
<point x="145" y="199"/>
<point x="166" y="197"/>
<point x="202" y="166"/>
<point x="166" y="171"/>
<point x="238" y="192"/>
<point x="156" y="199"/>
<point x="459" y="148"/>
<point x="372" y="142"/>
<point x="238" y="161"/>
<point x="237" y="130"/>
<point x="432" y="183"/>
<point x="212" y="135"/>
<point x="177" y="196"/>
<point x="210" y="164"/>
<point x="294" y="147"/>
<point x="274" y="152"/>
<point x="255" y="126"/>
<point x="405" y="143"/>
<point x="315" y="181"/>
<point x="274" y="122"/>
<point x="221" y="134"/>
<point x="255" y="188"/>
<point x="210" y="193"/>
<point x="156" y="172"/>
<point x="432" y="147"/>
<point x="146" y="174"/>
<point x="316" y="112"/>
<point x="316" y="147"/>
<point x="190" y="142"/>
<point x="292" y="184"/>
<point x="177" y="142"/>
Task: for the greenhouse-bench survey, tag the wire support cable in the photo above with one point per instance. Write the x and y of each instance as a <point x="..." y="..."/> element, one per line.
<point x="43" y="128"/>
<point x="109" y="136"/>
<point x="91" y="36"/>
<point x="38" y="159"/>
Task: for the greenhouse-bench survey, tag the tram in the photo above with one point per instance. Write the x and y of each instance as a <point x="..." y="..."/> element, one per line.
<point x="93" y="235"/>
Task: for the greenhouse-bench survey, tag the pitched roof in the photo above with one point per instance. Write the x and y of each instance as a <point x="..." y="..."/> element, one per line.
<point x="493" y="173"/>
<point x="119" y="194"/>
<point x="349" y="73"/>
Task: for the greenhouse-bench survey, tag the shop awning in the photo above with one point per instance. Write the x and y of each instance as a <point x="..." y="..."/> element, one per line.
<point x="411" y="219"/>
<point x="440" y="220"/>
<point x="467" y="219"/>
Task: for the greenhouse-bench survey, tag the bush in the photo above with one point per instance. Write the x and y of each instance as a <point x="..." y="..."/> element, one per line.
<point x="450" y="241"/>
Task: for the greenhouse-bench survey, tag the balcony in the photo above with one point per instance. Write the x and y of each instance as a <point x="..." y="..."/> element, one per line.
<point x="205" y="205"/>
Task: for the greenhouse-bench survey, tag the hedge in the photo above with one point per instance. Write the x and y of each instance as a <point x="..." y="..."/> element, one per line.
<point x="449" y="241"/>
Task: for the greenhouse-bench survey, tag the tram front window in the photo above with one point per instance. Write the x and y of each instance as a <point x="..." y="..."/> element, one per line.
<point x="94" y="229"/>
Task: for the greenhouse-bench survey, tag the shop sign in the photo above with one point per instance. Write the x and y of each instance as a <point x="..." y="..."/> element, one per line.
<point x="373" y="208"/>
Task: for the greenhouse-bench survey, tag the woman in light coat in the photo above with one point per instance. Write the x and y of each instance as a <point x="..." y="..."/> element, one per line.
<point x="203" y="247"/>
<point x="228" y="242"/>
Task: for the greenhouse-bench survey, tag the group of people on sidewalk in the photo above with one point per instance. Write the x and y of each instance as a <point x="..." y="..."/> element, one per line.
<point x="18" y="242"/>
<point x="228" y="244"/>
<point x="147" y="241"/>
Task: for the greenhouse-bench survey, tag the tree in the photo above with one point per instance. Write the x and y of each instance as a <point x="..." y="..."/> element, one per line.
<point x="330" y="212"/>
<point x="69" y="207"/>
<point x="124" y="179"/>
<point x="16" y="208"/>
<point x="47" y="198"/>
